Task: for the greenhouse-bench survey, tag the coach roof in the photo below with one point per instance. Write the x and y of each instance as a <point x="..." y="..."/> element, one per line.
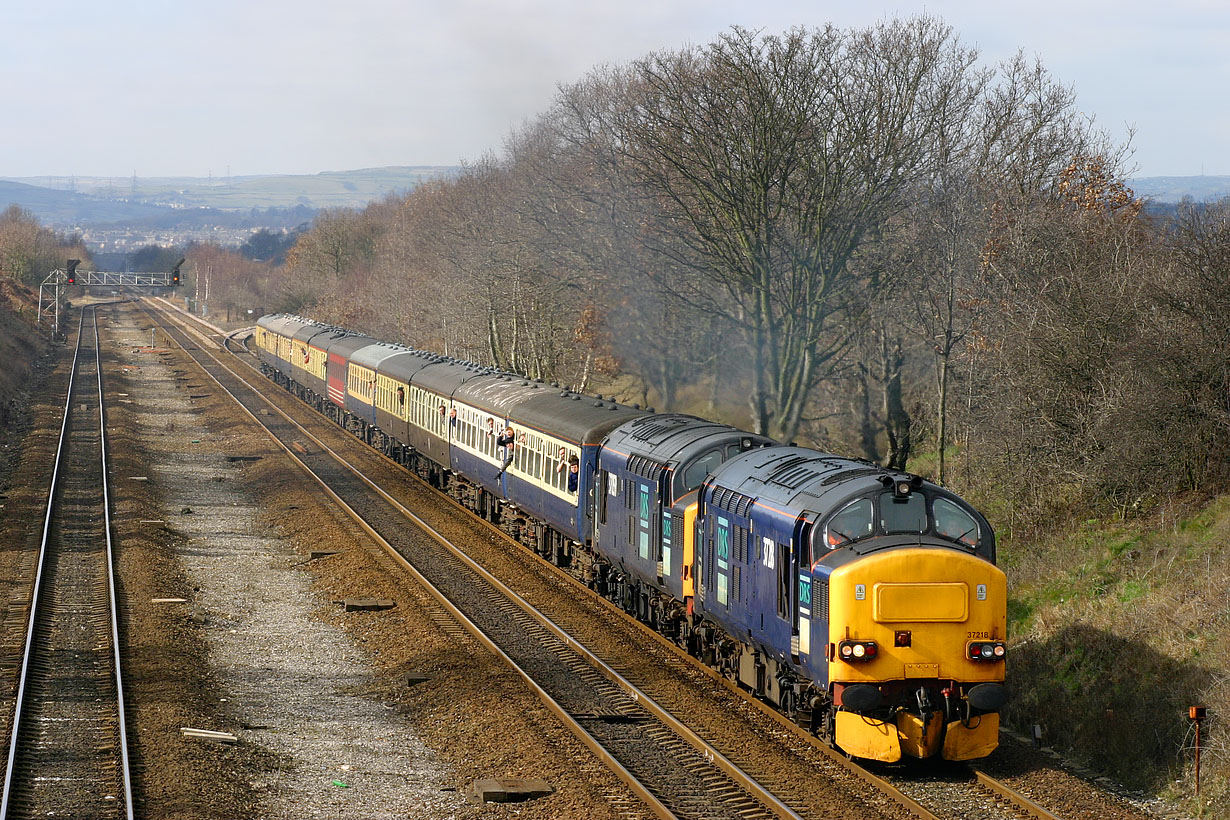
<point x="583" y="419"/>
<point x="371" y="355"/>
<point x="344" y="344"/>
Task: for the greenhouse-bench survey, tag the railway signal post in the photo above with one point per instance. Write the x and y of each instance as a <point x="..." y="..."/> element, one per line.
<point x="49" y="292"/>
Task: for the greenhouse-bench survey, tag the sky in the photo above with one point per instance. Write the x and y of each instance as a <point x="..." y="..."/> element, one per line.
<point x="241" y="87"/>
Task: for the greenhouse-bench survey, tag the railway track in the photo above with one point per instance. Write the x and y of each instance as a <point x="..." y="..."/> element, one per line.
<point x="67" y="751"/>
<point x="614" y="711"/>
<point x="1012" y="797"/>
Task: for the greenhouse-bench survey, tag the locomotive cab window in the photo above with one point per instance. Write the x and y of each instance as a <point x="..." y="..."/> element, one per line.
<point x="954" y="523"/>
<point x="696" y="472"/>
<point x="856" y="520"/>
<point x="902" y="515"/>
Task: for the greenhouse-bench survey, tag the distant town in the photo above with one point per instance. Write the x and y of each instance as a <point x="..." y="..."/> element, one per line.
<point x="128" y="240"/>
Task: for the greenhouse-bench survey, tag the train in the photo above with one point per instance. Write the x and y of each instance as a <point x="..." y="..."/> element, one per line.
<point x="863" y="602"/>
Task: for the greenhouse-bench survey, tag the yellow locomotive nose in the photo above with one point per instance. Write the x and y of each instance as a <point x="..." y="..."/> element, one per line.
<point x="916" y="654"/>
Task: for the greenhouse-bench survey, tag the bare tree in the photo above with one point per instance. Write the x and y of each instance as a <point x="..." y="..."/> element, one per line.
<point x="1072" y="384"/>
<point x="1015" y="146"/>
<point x="28" y="251"/>
<point x="341" y="240"/>
<point x="767" y="164"/>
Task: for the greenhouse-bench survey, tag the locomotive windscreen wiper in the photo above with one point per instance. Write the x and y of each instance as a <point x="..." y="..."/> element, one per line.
<point x="961" y="538"/>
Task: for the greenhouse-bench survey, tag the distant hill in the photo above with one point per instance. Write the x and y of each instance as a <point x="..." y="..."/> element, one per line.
<point x="84" y="202"/>
<point x="73" y="202"/>
<point x="1174" y="189"/>
<point x="65" y="208"/>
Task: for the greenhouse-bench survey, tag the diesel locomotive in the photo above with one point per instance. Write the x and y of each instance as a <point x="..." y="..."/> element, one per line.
<point x="863" y="602"/>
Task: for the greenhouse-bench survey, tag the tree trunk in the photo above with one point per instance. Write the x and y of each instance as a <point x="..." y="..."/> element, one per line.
<point x="896" y="419"/>
<point x="589" y="361"/>
<point x="715" y="387"/>
<point x="494" y="343"/>
<point x="942" y="376"/>
<point x="866" y="424"/>
<point x="758" y="400"/>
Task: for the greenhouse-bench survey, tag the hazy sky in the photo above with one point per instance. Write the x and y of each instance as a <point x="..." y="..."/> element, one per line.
<point x="193" y="87"/>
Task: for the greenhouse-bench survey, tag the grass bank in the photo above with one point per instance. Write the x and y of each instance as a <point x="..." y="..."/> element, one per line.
<point x="1117" y="628"/>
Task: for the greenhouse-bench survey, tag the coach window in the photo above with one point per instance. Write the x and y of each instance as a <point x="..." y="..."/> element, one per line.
<point x="954" y="523"/>
<point x="903" y="515"/>
<point x="853" y="522"/>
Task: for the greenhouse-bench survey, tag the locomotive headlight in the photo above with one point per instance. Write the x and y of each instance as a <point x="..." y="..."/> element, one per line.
<point x="857" y="651"/>
<point x="903" y="489"/>
<point x="985" y="651"/>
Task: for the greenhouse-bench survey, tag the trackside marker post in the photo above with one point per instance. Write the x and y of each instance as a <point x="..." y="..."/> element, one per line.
<point x="1197" y="714"/>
